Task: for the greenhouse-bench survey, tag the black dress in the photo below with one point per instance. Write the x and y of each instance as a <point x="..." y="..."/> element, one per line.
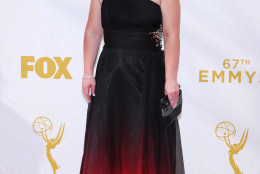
<point x="124" y="133"/>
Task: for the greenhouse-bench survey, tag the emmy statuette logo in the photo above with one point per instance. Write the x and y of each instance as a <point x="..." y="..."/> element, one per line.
<point x="41" y="126"/>
<point x="224" y="131"/>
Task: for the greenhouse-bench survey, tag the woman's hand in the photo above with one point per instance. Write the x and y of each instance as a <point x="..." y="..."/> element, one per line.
<point x="172" y="90"/>
<point x="86" y="84"/>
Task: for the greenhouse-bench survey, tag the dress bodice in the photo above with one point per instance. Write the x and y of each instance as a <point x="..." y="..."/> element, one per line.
<point x="130" y="15"/>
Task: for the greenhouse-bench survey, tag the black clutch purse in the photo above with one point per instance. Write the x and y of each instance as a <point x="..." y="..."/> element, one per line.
<point x="170" y="114"/>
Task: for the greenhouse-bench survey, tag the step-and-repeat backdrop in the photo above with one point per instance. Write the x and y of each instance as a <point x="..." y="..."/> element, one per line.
<point x="43" y="108"/>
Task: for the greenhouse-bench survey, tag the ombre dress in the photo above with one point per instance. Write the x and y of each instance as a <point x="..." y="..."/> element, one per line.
<point x="124" y="133"/>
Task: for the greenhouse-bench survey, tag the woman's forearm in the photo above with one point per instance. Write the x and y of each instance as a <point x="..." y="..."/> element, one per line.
<point x="91" y="46"/>
<point x="172" y="52"/>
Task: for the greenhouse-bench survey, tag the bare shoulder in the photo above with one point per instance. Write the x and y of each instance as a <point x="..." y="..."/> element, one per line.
<point x="96" y="2"/>
<point x="169" y="3"/>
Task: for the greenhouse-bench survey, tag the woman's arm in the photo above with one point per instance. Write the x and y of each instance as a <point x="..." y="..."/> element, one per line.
<point x="171" y="29"/>
<point x="92" y="39"/>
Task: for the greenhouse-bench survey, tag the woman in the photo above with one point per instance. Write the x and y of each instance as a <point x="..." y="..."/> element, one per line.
<point x="124" y="133"/>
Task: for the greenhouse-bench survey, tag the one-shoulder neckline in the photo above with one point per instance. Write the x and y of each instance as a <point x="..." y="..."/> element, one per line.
<point x="152" y="2"/>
